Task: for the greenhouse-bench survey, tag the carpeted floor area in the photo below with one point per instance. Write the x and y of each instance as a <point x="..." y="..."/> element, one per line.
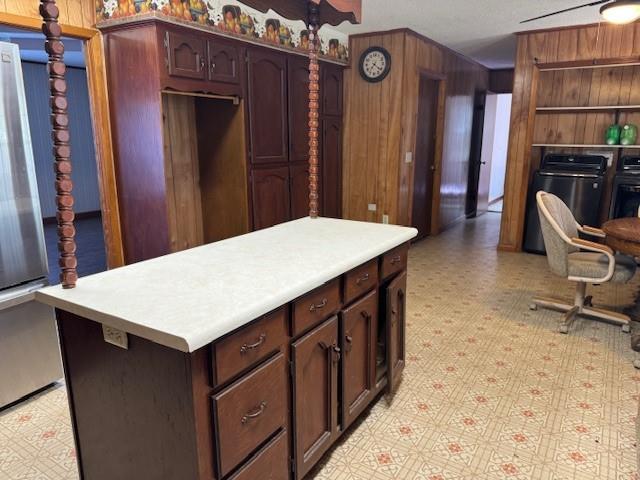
<point x="490" y="390"/>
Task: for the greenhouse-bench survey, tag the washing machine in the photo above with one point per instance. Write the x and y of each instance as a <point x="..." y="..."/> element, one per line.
<point x="578" y="180"/>
<point x="625" y="193"/>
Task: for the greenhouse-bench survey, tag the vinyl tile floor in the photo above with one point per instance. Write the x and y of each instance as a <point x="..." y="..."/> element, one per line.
<point x="490" y="389"/>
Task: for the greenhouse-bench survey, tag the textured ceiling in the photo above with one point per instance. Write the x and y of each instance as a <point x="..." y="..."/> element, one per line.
<point x="480" y="29"/>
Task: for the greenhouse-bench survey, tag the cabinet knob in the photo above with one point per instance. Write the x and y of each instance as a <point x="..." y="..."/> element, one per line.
<point x="395" y="260"/>
<point x="362" y="279"/>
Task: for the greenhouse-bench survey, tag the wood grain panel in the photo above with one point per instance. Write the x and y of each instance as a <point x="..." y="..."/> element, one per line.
<point x="380" y="127"/>
<point x="223" y="168"/>
<point x="182" y="172"/>
<point x="143" y="208"/>
<point x="604" y="44"/>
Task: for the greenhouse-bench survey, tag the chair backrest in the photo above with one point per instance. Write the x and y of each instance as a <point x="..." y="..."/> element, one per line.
<point x="558" y="228"/>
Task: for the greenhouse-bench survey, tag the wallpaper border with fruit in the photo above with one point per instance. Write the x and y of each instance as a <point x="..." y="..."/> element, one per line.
<point x="232" y="17"/>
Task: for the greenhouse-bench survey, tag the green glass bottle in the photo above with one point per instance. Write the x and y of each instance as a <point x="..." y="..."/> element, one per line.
<point x="612" y="137"/>
<point x="629" y="134"/>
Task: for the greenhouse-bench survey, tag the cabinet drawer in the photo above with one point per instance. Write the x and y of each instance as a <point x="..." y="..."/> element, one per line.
<point x="248" y="346"/>
<point x="360" y="280"/>
<point x="394" y="261"/>
<point x="316" y="306"/>
<point x="270" y="463"/>
<point x="248" y="412"/>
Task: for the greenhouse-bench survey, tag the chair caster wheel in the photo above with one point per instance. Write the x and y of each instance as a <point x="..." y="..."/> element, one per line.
<point x="563" y="329"/>
<point x="626" y="328"/>
<point x="533" y="307"/>
<point x="636" y="364"/>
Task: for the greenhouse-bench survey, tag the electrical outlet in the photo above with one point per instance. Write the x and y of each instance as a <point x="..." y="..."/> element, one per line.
<point x="372" y="207"/>
<point x="115" y="337"/>
<point x="385" y="218"/>
<point x="408" y="157"/>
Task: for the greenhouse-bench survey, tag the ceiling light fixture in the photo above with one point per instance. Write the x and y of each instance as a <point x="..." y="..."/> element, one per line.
<point x="621" y="11"/>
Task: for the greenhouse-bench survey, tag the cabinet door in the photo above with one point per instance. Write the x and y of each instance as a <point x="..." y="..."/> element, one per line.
<point x="396" y="320"/>
<point x="298" y="109"/>
<point x="223" y="62"/>
<point x="186" y="55"/>
<point x="270" y="192"/>
<point x="331" y="89"/>
<point x="315" y="357"/>
<point x="358" y="337"/>
<point x="331" y="168"/>
<point x="268" y="106"/>
<point x="299" y="190"/>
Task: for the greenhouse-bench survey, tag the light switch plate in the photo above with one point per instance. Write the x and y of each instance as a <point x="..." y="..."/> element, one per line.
<point x="385" y="218"/>
<point x="373" y="207"/>
<point x="115" y="337"/>
<point x="408" y="157"/>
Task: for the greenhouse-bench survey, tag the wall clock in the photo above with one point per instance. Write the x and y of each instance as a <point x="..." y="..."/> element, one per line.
<point x="375" y="64"/>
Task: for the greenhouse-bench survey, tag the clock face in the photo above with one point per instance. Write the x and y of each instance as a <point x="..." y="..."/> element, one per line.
<point x="375" y="64"/>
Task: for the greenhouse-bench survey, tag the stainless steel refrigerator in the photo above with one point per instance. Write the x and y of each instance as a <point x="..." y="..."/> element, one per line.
<point x="29" y="350"/>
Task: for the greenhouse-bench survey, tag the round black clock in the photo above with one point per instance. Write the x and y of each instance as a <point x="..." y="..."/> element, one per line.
<point x="375" y="64"/>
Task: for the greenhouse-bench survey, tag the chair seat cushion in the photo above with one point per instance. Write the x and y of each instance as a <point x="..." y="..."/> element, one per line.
<point x="596" y="265"/>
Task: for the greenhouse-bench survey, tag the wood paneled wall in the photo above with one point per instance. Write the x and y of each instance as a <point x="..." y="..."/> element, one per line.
<point x="604" y="44"/>
<point x="73" y="13"/>
<point x="501" y="81"/>
<point x="380" y="128"/>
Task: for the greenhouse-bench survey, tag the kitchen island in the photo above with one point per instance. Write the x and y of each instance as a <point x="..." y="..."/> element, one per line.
<point x="242" y="359"/>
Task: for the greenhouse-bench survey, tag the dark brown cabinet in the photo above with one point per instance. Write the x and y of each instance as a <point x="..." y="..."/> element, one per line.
<point x="233" y="118"/>
<point x="265" y="401"/>
<point x="358" y="335"/>
<point x="396" y="300"/>
<point x="270" y="192"/>
<point x="224" y="62"/>
<point x="331" y="90"/>
<point x="316" y="358"/>
<point x="331" y="169"/>
<point x="268" y="117"/>
<point x="299" y="190"/>
<point x="298" y="109"/>
<point x="186" y="55"/>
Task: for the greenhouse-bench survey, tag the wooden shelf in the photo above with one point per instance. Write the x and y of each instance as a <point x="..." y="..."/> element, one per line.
<point x="595" y="108"/>
<point x="577" y="145"/>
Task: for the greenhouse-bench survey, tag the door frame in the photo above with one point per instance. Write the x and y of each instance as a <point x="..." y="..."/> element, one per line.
<point x="99" y="108"/>
<point x="437" y="158"/>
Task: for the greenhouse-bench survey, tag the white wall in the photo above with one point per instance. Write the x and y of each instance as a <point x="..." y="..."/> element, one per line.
<point x="499" y="144"/>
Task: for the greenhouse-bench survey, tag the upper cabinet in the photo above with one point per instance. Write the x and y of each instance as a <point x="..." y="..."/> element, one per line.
<point x="268" y="118"/>
<point x="331" y="90"/>
<point x="195" y="62"/>
<point x="186" y="55"/>
<point x="224" y="62"/>
<point x="298" y="109"/>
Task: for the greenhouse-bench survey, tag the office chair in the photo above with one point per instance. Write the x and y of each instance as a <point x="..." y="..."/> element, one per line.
<point x="580" y="261"/>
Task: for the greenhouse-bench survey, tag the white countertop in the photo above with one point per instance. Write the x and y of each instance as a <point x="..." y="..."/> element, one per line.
<point x="189" y="299"/>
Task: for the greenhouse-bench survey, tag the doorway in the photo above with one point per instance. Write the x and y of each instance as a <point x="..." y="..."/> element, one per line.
<point x="425" y="154"/>
<point x="89" y="230"/>
<point x="488" y="157"/>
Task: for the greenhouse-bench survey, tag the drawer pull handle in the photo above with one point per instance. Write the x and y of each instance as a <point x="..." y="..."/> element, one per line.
<point x="319" y="306"/>
<point x="395" y="260"/>
<point x="245" y="348"/>
<point x="259" y="411"/>
<point x="362" y="279"/>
